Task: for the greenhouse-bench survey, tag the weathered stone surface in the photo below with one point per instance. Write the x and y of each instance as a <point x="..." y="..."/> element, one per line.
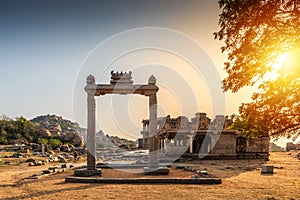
<point x="156" y="171"/>
<point x="44" y="133"/>
<point x="144" y="180"/>
<point x="87" y="172"/>
<point x="30" y="160"/>
<point x="46" y="171"/>
<point x="74" y="138"/>
<point x="268" y="169"/>
<point x="62" y="159"/>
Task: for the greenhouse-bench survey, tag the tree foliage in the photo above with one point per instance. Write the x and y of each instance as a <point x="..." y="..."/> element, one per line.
<point x="255" y="33"/>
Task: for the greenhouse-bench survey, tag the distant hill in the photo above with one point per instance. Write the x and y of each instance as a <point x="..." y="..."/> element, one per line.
<point x="107" y="141"/>
<point x="275" y="148"/>
<point x="53" y="129"/>
<point x="52" y="120"/>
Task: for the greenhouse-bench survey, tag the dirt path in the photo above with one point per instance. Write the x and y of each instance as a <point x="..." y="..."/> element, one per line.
<point x="241" y="180"/>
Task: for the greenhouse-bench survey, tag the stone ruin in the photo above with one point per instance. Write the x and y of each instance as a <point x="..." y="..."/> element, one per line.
<point x="290" y="146"/>
<point x="201" y="135"/>
<point x="121" y="83"/>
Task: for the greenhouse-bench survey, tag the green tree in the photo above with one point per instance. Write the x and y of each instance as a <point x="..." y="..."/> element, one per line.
<point x="54" y="143"/>
<point x="42" y="140"/>
<point x="256" y="33"/>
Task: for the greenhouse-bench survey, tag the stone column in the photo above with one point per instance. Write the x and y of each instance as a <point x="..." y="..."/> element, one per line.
<point x="191" y="143"/>
<point x="213" y="140"/>
<point x="153" y="140"/>
<point x="162" y="146"/>
<point x="165" y="145"/>
<point x="91" y="123"/>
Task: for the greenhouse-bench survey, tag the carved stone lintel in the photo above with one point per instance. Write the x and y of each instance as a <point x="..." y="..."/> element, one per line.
<point x="121" y="78"/>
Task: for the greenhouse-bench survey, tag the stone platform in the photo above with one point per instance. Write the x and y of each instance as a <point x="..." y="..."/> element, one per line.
<point x="143" y="180"/>
<point x="87" y="172"/>
<point x="156" y="171"/>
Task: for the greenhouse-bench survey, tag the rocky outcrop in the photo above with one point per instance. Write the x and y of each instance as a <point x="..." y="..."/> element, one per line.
<point x="44" y="133"/>
<point x="74" y="138"/>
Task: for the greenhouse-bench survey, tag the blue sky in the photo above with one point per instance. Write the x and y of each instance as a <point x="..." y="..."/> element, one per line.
<point x="44" y="43"/>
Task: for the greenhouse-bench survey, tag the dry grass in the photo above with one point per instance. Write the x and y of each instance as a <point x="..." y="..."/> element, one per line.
<point x="241" y="180"/>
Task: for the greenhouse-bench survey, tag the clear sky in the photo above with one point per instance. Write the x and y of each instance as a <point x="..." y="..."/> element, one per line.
<point x="44" y="44"/>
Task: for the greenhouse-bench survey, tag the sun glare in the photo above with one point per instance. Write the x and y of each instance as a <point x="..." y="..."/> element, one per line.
<point x="279" y="61"/>
<point x="278" y="64"/>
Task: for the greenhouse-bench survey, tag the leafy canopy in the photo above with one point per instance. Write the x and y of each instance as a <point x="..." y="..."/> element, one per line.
<point x="256" y="33"/>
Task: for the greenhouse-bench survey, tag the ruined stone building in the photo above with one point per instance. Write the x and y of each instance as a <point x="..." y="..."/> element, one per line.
<point x="291" y="146"/>
<point x="204" y="138"/>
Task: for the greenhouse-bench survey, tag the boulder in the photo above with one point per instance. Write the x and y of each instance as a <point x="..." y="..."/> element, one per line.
<point x="55" y="129"/>
<point x="62" y="159"/>
<point x="65" y="148"/>
<point x="30" y="160"/>
<point x="74" y="138"/>
<point x="51" y="152"/>
<point x="44" y="133"/>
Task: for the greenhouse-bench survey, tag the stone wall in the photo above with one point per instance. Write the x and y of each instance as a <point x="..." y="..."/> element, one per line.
<point x="226" y="145"/>
<point x="260" y="145"/>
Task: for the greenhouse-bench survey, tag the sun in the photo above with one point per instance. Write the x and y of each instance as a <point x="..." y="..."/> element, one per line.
<point x="276" y="66"/>
<point x="279" y="62"/>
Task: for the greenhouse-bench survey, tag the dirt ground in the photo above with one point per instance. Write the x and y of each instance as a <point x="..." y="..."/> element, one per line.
<point x="241" y="179"/>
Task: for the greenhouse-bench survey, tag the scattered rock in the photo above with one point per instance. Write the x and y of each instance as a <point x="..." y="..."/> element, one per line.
<point x="202" y="172"/>
<point x="74" y="138"/>
<point x="16" y="155"/>
<point x="268" y="169"/>
<point x="278" y="167"/>
<point x="46" y="171"/>
<point x="195" y="176"/>
<point x="51" y="152"/>
<point x="7" y="163"/>
<point x="140" y="161"/>
<point x="62" y="159"/>
<point x="30" y="160"/>
<point x="53" y="169"/>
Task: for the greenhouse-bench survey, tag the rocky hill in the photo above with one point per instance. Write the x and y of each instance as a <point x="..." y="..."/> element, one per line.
<point x="68" y="130"/>
<point x="54" y="131"/>
<point x="107" y="141"/>
<point x="275" y="148"/>
<point x="56" y="126"/>
<point x="56" y="122"/>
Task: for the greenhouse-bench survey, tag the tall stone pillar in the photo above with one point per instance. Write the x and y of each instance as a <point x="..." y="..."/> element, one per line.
<point x="153" y="140"/>
<point x="91" y="170"/>
<point x="91" y="123"/>
<point x="191" y="143"/>
<point x="91" y="132"/>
